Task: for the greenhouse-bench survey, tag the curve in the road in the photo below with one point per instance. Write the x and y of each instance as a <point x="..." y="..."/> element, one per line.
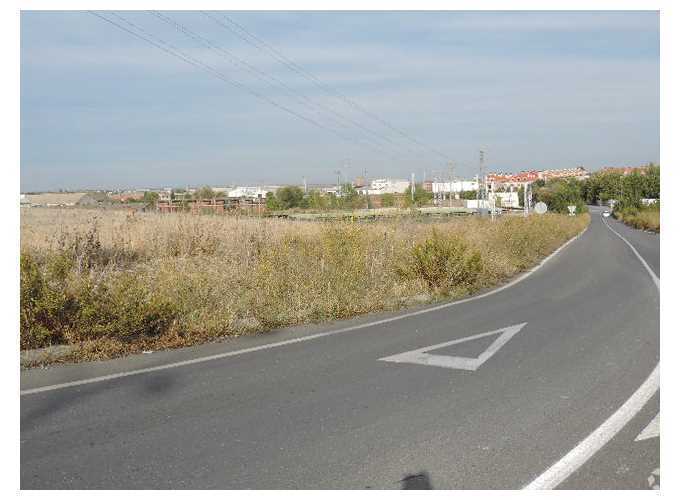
<point x="578" y="456"/>
<point x="326" y="415"/>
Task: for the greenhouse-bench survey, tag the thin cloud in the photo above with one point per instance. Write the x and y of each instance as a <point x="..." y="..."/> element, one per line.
<point x="94" y="96"/>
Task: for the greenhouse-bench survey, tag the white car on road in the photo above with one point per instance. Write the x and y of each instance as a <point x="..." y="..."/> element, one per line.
<point x="606" y="213"/>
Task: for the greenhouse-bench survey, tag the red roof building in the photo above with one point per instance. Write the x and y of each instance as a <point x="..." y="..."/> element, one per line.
<point x="534" y="175"/>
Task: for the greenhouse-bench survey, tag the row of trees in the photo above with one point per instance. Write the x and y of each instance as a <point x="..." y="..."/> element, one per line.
<point x="289" y="197"/>
<point x="558" y="194"/>
<point x="419" y="198"/>
<point x="294" y="197"/>
<point x="204" y="193"/>
<point x="627" y="190"/>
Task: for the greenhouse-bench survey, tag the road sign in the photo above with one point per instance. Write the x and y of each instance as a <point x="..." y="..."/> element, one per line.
<point x="572" y="209"/>
<point x="421" y="356"/>
<point x="540" y="208"/>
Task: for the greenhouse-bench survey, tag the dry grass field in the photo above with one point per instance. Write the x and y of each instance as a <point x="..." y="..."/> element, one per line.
<point x="111" y="283"/>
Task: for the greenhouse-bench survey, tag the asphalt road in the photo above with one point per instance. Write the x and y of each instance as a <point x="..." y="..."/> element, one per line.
<point x="303" y="409"/>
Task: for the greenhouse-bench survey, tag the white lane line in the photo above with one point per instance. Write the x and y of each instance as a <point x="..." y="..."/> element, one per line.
<point x="569" y="463"/>
<point x="655" y="278"/>
<point x="296" y="340"/>
<point x="652" y="429"/>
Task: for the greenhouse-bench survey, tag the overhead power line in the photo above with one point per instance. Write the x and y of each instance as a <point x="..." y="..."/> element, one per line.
<point x="256" y="41"/>
<point x="175" y="52"/>
<point x="298" y="96"/>
<point x="316" y="103"/>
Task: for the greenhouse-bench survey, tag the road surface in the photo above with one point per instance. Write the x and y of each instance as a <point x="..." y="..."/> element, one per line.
<point x="563" y="394"/>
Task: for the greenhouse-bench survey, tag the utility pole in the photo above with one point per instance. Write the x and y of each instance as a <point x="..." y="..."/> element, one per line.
<point x="366" y="186"/>
<point x="338" y="192"/>
<point x="481" y="183"/>
<point x="304" y="183"/>
<point x="528" y="197"/>
<point x="492" y="203"/>
<point x="450" y="183"/>
<point x="413" y="187"/>
<point x="435" y="185"/>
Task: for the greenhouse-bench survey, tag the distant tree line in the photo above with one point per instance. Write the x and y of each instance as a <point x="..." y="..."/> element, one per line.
<point x="291" y="197"/>
<point x="627" y="190"/>
<point x="599" y="188"/>
<point x="419" y="197"/>
<point x="181" y="194"/>
<point x="557" y="194"/>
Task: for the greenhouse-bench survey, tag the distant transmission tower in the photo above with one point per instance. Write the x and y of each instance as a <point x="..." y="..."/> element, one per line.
<point x="368" y="204"/>
<point x="413" y="187"/>
<point x="481" y="183"/>
<point x="451" y="183"/>
<point x="338" y="191"/>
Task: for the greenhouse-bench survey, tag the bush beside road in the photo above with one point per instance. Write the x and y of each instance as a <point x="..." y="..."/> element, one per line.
<point x="647" y="218"/>
<point x="112" y="284"/>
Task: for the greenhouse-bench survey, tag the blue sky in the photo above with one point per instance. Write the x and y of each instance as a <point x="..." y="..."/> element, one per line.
<point x="101" y="108"/>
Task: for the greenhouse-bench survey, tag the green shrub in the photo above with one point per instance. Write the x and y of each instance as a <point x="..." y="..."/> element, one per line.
<point x="300" y="278"/>
<point x="647" y="218"/>
<point x="59" y="305"/>
<point x="560" y="194"/>
<point x="387" y="200"/>
<point x="46" y="310"/>
<point x="124" y="308"/>
<point x="445" y="263"/>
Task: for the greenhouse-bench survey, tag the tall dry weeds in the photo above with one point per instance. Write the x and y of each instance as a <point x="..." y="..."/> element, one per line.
<point x="112" y="283"/>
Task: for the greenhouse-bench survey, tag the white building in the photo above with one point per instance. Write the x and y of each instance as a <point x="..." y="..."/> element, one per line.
<point x="507" y="200"/>
<point x="385" y="186"/>
<point x="455" y="186"/>
<point x="477" y="204"/>
<point x="165" y="194"/>
<point x="334" y="190"/>
<point x="247" y="192"/>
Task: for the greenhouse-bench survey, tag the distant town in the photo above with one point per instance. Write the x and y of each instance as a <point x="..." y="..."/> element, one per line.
<point x="503" y="190"/>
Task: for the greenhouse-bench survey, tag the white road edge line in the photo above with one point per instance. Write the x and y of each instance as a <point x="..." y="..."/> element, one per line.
<point x="112" y="376"/>
<point x="573" y="460"/>
<point x="655" y="278"/>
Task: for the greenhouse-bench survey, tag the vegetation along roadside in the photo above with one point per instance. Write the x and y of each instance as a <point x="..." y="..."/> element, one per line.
<point x="111" y="284"/>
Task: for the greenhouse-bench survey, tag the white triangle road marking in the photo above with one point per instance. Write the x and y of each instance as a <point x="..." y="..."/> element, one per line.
<point x="651" y="431"/>
<point x="421" y="356"/>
